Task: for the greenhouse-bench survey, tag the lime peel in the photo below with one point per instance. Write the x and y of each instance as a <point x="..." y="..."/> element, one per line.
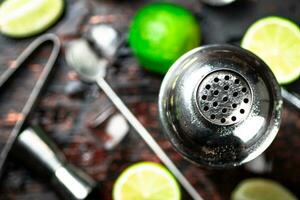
<point x="160" y="33"/>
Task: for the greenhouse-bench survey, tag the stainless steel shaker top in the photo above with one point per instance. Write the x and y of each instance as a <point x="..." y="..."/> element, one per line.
<point x="220" y="106"/>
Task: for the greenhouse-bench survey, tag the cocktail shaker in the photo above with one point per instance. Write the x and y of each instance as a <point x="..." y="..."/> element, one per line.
<point x="220" y="106"/>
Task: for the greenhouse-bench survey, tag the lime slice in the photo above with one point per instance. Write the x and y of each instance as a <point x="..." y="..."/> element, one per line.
<point x="160" y="33"/>
<point x="261" y="189"/>
<point x="23" y="18"/>
<point x="277" y="41"/>
<point x="146" y="181"/>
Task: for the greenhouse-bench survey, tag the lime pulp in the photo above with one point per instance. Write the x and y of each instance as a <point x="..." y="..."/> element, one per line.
<point x="146" y="181"/>
<point x="23" y="18"/>
<point x="276" y="40"/>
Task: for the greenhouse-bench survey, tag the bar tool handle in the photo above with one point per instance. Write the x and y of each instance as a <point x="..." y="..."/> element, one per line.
<point x="140" y="129"/>
<point x="37" y="89"/>
<point x="291" y="98"/>
<point x="35" y="149"/>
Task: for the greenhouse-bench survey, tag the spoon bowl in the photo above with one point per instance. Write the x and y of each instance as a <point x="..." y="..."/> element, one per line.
<point x="84" y="61"/>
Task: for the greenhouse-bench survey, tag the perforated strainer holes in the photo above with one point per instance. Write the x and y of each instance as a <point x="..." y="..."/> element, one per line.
<point x="224" y="97"/>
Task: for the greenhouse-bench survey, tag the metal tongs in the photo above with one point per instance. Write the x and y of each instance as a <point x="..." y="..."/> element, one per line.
<point x="36" y="90"/>
<point x="32" y="146"/>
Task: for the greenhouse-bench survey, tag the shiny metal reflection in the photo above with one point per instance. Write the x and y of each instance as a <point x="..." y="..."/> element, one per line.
<point x="43" y="157"/>
<point x="218" y="2"/>
<point x="73" y="183"/>
<point x="225" y="128"/>
<point x="105" y="38"/>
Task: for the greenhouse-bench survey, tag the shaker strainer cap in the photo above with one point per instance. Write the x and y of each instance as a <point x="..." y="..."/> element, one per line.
<point x="220" y="106"/>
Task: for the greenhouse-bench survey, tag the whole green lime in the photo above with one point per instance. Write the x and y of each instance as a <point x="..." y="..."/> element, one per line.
<point x="160" y="33"/>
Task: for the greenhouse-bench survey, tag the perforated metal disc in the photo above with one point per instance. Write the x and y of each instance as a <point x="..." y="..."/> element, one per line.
<point x="224" y="97"/>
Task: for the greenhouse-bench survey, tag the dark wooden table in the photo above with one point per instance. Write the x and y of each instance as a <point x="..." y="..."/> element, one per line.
<point x="66" y="118"/>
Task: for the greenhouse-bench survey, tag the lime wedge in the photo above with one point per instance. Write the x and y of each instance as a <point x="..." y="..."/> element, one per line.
<point x="276" y="40"/>
<point x="146" y="181"/>
<point x="23" y="18"/>
<point x="261" y="189"/>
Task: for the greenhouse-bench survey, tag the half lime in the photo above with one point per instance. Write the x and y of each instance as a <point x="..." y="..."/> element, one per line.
<point x="146" y="181"/>
<point x="261" y="189"/>
<point x="23" y="18"/>
<point x="277" y="41"/>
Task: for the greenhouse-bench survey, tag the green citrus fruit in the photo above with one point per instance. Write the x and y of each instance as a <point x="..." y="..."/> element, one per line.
<point x="146" y="181"/>
<point x="261" y="189"/>
<point x="277" y="41"/>
<point x="160" y="33"/>
<point x="23" y="18"/>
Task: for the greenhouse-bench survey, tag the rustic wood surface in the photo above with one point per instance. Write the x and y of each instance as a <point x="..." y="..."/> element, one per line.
<point x="67" y="118"/>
